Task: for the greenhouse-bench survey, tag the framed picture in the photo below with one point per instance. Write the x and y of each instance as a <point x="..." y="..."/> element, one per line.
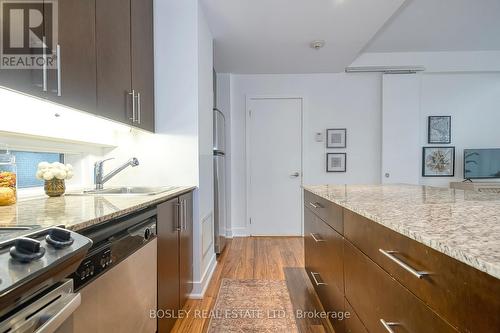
<point x="438" y="162"/>
<point x="439" y="129"/>
<point x="336" y="162"/>
<point x="336" y="138"/>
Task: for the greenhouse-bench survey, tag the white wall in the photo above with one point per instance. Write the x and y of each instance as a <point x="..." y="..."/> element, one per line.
<point x="205" y="139"/>
<point x="330" y="101"/>
<point x="473" y="102"/>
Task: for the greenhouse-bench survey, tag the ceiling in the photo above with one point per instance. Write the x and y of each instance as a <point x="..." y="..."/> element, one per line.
<point x="441" y="25"/>
<point x="273" y="36"/>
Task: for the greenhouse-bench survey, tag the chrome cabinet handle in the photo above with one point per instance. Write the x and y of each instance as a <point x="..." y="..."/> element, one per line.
<point x="138" y="108"/>
<point x="59" y="83"/>
<point x="44" y="67"/>
<point x="316" y="280"/>
<point x="178" y="226"/>
<point x="317" y="240"/>
<point x="315" y="205"/>
<point x="387" y="325"/>
<point x="133" y="105"/>
<point x="295" y="175"/>
<point x="402" y="264"/>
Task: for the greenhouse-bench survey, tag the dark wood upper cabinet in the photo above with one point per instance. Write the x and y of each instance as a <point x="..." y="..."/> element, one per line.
<point x="103" y="60"/>
<point x="73" y="83"/>
<point x="143" y="62"/>
<point x="125" y="63"/>
<point x="114" y="86"/>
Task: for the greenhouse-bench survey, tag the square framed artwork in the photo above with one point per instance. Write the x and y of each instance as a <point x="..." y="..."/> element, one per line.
<point x="439" y="129"/>
<point x="438" y="162"/>
<point x="336" y="162"/>
<point x="336" y="138"/>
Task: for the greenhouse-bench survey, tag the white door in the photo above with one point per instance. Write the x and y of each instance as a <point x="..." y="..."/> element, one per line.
<point x="275" y="166"/>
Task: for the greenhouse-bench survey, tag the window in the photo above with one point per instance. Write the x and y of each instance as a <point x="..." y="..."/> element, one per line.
<point x="27" y="163"/>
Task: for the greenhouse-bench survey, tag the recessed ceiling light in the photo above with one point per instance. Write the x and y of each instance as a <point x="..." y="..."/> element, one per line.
<point x="317" y="44"/>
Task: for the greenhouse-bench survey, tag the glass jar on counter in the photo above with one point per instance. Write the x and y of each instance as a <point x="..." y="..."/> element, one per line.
<point x="8" y="177"/>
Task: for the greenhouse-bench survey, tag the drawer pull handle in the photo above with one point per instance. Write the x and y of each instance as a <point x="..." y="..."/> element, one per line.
<point x="316" y="280"/>
<point x="387" y="325"/>
<point x="316" y="239"/>
<point x="402" y="264"/>
<point x="315" y="205"/>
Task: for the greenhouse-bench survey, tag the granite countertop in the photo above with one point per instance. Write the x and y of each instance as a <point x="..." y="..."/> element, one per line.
<point x="464" y="225"/>
<point x="78" y="212"/>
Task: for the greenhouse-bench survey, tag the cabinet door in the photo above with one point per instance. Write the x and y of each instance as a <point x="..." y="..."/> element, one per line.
<point x="186" y="249"/>
<point x="75" y="85"/>
<point x="28" y="50"/>
<point x="113" y="60"/>
<point x="143" y="62"/>
<point x="168" y="261"/>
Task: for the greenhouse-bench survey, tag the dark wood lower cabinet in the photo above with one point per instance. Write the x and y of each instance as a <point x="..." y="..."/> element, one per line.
<point x="186" y="248"/>
<point x="379" y="298"/>
<point x="351" y="272"/>
<point x="352" y="322"/>
<point x="324" y="265"/>
<point x="175" y="257"/>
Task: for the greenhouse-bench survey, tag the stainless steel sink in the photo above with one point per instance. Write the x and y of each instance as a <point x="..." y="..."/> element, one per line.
<point x="129" y="190"/>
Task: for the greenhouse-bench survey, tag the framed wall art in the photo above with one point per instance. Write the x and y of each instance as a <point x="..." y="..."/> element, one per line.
<point x="438" y="162"/>
<point x="336" y="138"/>
<point x="439" y="129"/>
<point x="336" y="162"/>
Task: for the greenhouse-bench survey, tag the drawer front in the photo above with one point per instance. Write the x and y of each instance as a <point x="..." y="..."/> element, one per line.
<point x="311" y="250"/>
<point x="353" y="324"/>
<point x="324" y="264"/>
<point x="456" y="291"/>
<point x="329" y="212"/>
<point x="378" y="298"/>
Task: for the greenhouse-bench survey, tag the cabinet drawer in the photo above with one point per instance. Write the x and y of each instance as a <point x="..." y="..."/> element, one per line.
<point x="353" y="324"/>
<point x="324" y="263"/>
<point x="328" y="211"/>
<point x="456" y="291"/>
<point x="378" y="298"/>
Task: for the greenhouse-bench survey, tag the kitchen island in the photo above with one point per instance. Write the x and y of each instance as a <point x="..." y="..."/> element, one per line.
<point x="422" y="258"/>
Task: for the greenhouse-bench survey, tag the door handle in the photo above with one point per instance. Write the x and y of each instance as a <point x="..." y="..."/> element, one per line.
<point x="313" y="274"/>
<point x="402" y="264"/>
<point x="59" y="83"/>
<point x="295" y="175"/>
<point x="388" y="325"/>
<point x="316" y="238"/>
<point x="139" y="108"/>
<point x="133" y="105"/>
<point x="44" y="66"/>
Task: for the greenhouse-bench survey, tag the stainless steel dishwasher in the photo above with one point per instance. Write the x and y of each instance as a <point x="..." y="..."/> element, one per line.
<point x="117" y="280"/>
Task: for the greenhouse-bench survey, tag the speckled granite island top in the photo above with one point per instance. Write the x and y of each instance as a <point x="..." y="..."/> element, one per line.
<point x="464" y="225"/>
<point x="79" y="212"/>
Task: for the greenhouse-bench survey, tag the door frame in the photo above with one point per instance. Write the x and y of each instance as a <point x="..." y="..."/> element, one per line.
<point x="248" y="99"/>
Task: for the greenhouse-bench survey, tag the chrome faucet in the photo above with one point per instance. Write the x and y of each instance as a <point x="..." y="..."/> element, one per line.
<point x="100" y="178"/>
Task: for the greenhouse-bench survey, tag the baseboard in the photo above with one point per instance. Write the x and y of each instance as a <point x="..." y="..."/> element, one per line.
<point x="200" y="287"/>
<point x="239" y="232"/>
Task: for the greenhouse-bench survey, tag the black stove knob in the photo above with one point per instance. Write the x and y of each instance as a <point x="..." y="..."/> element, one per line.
<point x="26" y="249"/>
<point x="59" y="238"/>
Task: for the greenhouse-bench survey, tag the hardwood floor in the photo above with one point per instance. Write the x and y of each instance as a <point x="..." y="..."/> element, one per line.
<point x="267" y="258"/>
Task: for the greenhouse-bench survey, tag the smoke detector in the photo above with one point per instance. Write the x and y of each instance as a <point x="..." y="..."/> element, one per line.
<point x="317" y="44"/>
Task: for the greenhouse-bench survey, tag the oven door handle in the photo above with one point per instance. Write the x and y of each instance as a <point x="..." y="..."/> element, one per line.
<point x="67" y="307"/>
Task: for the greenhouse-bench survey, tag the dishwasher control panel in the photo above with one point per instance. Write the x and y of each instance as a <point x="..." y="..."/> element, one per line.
<point x="92" y="266"/>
